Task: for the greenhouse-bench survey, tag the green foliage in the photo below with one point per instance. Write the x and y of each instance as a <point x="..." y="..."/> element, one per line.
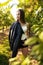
<point x="3" y="59"/>
<point x="4" y="52"/>
<point x="34" y="15"/>
<point x="6" y="17"/>
<point x="31" y="41"/>
<point x="5" y="3"/>
<point x="26" y="61"/>
<point x="40" y="2"/>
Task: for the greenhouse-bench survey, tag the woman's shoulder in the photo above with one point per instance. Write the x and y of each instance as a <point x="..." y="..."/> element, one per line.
<point x="14" y="23"/>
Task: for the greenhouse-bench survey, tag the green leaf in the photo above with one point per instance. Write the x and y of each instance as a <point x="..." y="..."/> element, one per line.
<point x="31" y="40"/>
<point x="26" y="61"/>
<point x="41" y="36"/>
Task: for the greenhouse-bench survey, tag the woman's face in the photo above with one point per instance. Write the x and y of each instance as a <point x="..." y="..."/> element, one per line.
<point x="18" y="15"/>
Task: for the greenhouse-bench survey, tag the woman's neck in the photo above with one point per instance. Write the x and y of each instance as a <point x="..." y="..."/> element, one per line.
<point x="22" y="23"/>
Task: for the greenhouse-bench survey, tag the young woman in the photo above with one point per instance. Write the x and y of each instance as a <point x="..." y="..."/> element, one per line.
<point x="18" y="33"/>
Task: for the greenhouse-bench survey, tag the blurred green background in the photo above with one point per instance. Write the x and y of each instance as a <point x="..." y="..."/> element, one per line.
<point x="34" y="15"/>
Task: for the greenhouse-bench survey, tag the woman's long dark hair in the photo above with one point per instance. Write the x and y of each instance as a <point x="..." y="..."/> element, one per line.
<point x="22" y="15"/>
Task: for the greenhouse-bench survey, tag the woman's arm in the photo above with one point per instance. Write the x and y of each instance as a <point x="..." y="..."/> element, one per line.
<point x="16" y="41"/>
<point x="11" y="31"/>
<point x="18" y="37"/>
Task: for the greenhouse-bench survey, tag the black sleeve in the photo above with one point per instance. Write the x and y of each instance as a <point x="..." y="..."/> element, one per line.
<point x="9" y="36"/>
<point x="18" y="38"/>
<point x="10" y="32"/>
